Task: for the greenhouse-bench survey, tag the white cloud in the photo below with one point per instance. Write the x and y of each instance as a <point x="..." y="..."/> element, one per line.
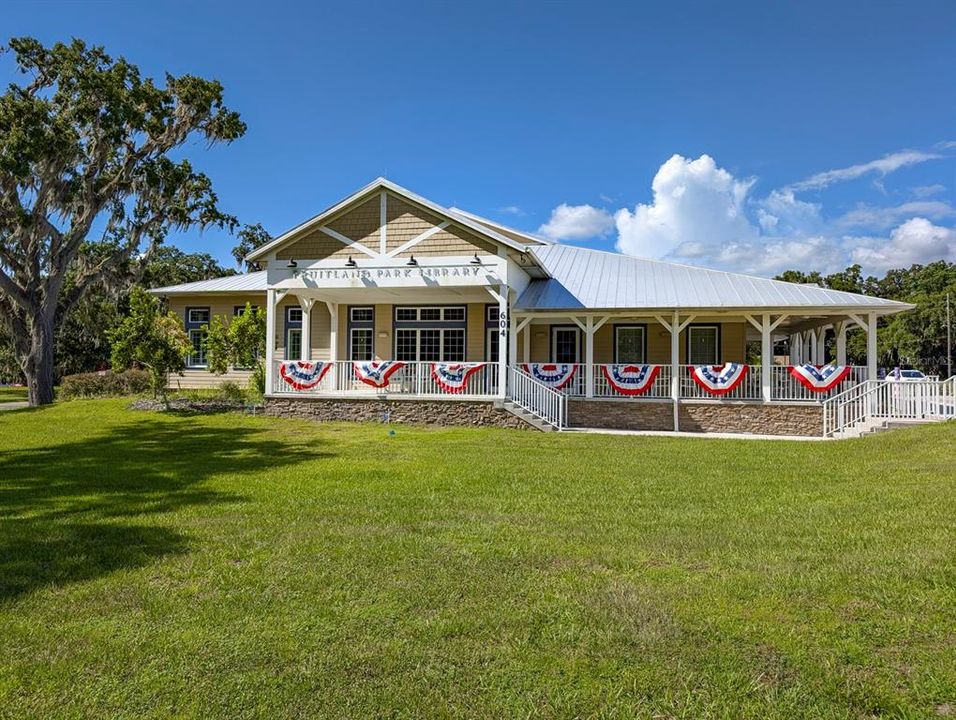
<point x="883" y="166"/>
<point x="511" y="210"/>
<point x="879" y="218"/>
<point x="946" y="145"/>
<point x="915" y="241"/>
<point x="924" y="191"/>
<point x="781" y="213"/>
<point x="694" y="201"/>
<point x="703" y="214"/>
<point x="577" y="222"/>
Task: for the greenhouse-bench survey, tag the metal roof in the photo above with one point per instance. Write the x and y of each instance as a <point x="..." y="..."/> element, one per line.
<point x="582" y="278"/>
<point x="250" y="282"/>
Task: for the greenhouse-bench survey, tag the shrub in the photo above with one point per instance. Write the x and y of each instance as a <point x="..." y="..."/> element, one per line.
<point x="232" y="392"/>
<point x="105" y="384"/>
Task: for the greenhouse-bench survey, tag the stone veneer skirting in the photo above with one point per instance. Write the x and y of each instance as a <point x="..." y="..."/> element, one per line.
<point x="708" y="416"/>
<point x="473" y="413"/>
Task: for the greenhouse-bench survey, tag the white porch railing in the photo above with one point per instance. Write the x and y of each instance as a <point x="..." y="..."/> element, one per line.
<point x="660" y="389"/>
<point x="537" y="398"/>
<point x="876" y="402"/>
<point x="417" y="379"/>
<point x="784" y="387"/>
<point x="410" y="379"/>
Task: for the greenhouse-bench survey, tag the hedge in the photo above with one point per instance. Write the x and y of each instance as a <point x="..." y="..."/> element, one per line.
<point x="101" y="384"/>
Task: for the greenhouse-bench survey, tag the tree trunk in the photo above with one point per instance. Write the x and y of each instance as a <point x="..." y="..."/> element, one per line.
<point x="38" y="367"/>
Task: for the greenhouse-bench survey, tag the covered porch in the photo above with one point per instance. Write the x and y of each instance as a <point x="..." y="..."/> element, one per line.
<point x="411" y="340"/>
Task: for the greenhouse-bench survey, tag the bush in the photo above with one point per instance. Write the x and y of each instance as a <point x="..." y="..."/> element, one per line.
<point x="232" y="392"/>
<point x="89" y="385"/>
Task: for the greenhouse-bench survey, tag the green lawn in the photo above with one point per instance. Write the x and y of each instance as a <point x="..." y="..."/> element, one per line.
<point x="11" y="394"/>
<point x="230" y="566"/>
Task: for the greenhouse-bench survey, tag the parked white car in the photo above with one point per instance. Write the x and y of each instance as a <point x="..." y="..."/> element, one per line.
<point x="905" y="376"/>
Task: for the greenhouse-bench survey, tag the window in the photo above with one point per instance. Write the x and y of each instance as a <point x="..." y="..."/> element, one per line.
<point x="197" y="316"/>
<point x="565" y="344"/>
<point x="629" y="343"/>
<point x="197" y="358"/>
<point x="703" y="344"/>
<point x="293" y="333"/>
<point x="430" y="334"/>
<point x="429" y="313"/>
<point x="361" y="314"/>
<point x="492" y="333"/>
<point x="196" y="321"/>
<point x="361" y="333"/>
<point x="241" y="310"/>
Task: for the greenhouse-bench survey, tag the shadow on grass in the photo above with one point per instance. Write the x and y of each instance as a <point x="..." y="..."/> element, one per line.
<point x="67" y="511"/>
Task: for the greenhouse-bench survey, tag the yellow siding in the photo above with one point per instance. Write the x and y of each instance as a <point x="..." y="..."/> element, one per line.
<point x="405" y="221"/>
<point x="383" y="324"/>
<point x="222" y="305"/>
<point x="475" y="333"/>
<point x="732" y="343"/>
<point x="361" y="223"/>
<point x="316" y="246"/>
<point x="451" y="241"/>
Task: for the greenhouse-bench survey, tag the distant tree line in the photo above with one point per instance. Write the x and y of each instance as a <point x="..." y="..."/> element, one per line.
<point x="916" y="338"/>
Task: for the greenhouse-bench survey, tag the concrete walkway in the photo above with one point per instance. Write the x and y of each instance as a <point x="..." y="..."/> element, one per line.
<point x="15" y="405"/>
<point x="698" y="435"/>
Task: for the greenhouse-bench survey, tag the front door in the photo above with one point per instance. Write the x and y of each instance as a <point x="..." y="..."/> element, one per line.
<point x="565" y="345"/>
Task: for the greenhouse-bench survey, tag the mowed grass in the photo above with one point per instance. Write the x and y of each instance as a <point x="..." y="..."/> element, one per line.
<point x="156" y="565"/>
<point x="9" y="393"/>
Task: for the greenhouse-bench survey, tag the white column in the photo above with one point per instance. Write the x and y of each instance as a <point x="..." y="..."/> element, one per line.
<point x="306" y="304"/>
<point x="526" y="342"/>
<point x="766" y="356"/>
<point x="871" y="373"/>
<point x="512" y="358"/>
<point x="812" y="340"/>
<point x="589" y="356"/>
<point x="334" y="341"/>
<point x="840" y="330"/>
<point x="270" y="336"/>
<point x="820" y="345"/>
<point x="675" y="361"/>
<point x="503" y="324"/>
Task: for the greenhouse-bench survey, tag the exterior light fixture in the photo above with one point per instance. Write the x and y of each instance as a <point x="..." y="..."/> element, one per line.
<point x="475" y="260"/>
<point x="351" y="262"/>
<point x="412" y="261"/>
<point x="292" y="263"/>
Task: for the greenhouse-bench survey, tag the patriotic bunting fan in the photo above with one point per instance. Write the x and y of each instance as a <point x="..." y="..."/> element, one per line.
<point x="718" y="380"/>
<point x="631" y="379"/>
<point x="453" y="377"/>
<point x="302" y="375"/>
<point x="376" y="373"/>
<point x="819" y="378"/>
<point x="551" y="374"/>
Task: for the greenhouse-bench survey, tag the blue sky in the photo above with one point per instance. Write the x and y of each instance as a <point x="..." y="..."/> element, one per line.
<point x="749" y="136"/>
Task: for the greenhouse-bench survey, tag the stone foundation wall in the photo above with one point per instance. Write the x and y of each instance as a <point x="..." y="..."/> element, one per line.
<point x="621" y="415"/>
<point x="471" y="413"/>
<point x="733" y="417"/>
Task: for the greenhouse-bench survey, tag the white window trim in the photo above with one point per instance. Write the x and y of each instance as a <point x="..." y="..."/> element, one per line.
<point x="643" y="343"/>
<point x="690" y="331"/>
<point x="555" y="329"/>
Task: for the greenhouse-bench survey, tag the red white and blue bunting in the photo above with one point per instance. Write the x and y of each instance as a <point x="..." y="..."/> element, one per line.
<point x="301" y="375"/>
<point x="819" y="378"/>
<point x="717" y="380"/>
<point x="376" y="372"/>
<point x="631" y="379"/>
<point x="551" y="374"/>
<point x="453" y="377"/>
